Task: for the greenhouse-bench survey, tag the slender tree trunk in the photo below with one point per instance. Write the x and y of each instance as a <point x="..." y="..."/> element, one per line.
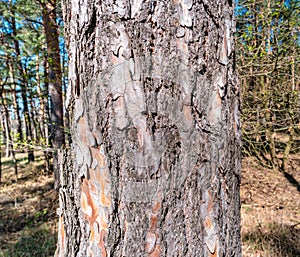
<point x="55" y="83"/>
<point x="7" y="134"/>
<point x="33" y="121"/>
<point x="154" y="167"/>
<point x="28" y="131"/>
<point x="43" y="120"/>
<point x="19" y="136"/>
<point x="1" y="143"/>
<point x="4" y="133"/>
<point x="47" y="153"/>
<point x="7" y="127"/>
<point x="0" y="161"/>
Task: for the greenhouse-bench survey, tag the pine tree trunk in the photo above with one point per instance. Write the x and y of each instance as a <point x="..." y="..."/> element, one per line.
<point x="7" y="127"/>
<point x="23" y="76"/>
<point x="0" y="160"/>
<point x="55" y="83"/>
<point x="15" y="101"/>
<point x="154" y="164"/>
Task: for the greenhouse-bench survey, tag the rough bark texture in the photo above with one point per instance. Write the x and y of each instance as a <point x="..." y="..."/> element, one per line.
<point x="154" y="167"/>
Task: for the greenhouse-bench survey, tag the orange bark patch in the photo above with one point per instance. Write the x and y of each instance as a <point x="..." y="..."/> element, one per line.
<point x="89" y="208"/>
<point x="82" y="128"/>
<point x="234" y="126"/>
<point x="210" y="203"/>
<point x="153" y="222"/>
<point x="119" y="102"/>
<point x="105" y="200"/>
<point x="114" y="59"/>
<point x="187" y="112"/>
<point x="101" y="243"/>
<point x="207" y="223"/>
<point x="102" y="222"/>
<point x="92" y="188"/>
<point x="215" y="254"/>
<point x="84" y="204"/>
<point x="157" y="207"/>
<point x="98" y="156"/>
<point x="140" y="138"/>
<point x="156" y="252"/>
<point x="151" y="247"/>
<point x="219" y="100"/>
<point x="182" y="45"/>
<point x="92" y="235"/>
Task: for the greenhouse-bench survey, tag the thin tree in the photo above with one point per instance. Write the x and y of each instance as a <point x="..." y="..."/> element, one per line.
<point x="7" y="127"/>
<point x="55" y="80"/>
<point x="23" y="82"/>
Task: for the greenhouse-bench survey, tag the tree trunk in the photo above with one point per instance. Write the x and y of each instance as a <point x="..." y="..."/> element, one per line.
<point x="7" y="127"/>
<point x="23" y="76"/>
<point x="47" y="153"/>
<point x="55" y="83"/>
<point x="0" y="159"/>
<point x="43" y="113"/>
<point x="154" y="164"/>
<point x="19" y="136"/>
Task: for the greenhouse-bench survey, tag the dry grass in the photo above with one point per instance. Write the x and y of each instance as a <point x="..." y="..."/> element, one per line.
<point x="27" y="210"/>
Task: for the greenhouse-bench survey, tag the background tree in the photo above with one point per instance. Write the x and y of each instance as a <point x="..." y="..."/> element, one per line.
<point x="55" y="79"/>
<point x="154" y="106"/>
<point x="30" y="66"/>
<point x="268" y="62"/>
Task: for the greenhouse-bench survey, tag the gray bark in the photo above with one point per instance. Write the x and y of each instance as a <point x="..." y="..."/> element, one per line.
<point x="154" y="164"/>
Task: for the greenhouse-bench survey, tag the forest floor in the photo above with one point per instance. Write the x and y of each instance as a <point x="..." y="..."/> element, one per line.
<point x="28" y="220"/>
<point x="270" y="210"/>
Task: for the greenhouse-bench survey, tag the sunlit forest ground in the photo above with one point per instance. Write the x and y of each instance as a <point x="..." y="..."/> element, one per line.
<point x="27" y="209"/>
<point x="270" y="210"/>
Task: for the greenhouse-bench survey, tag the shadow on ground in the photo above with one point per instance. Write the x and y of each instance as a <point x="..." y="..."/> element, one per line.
<point x="292" y="180"/>
<point x="277" y="239"/>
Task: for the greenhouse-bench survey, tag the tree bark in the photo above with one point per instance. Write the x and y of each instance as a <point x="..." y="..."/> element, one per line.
<point x="154" y="164"/>
<point x="55" y="83"/>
